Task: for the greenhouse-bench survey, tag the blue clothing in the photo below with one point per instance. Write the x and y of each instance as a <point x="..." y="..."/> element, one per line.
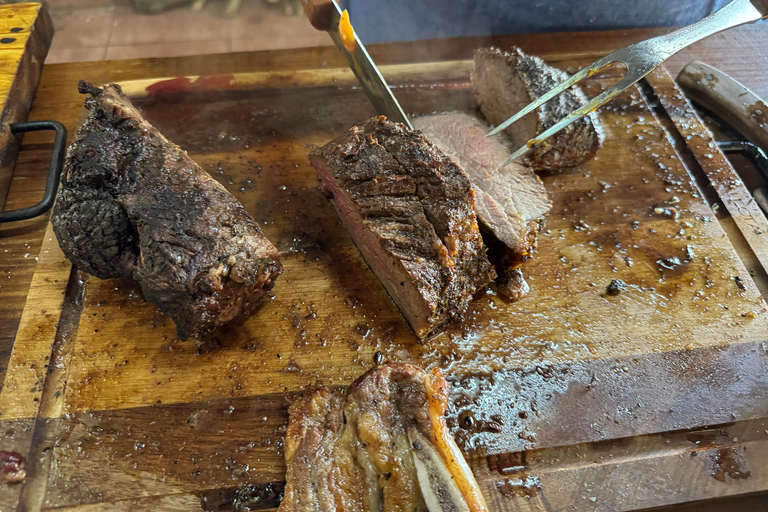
<point x="407" y="20"/>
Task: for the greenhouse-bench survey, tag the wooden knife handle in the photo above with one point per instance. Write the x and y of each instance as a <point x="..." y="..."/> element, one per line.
<point x="762" y="6"/>
<point x="730" y="100"/>
<point x="320" y="13"/>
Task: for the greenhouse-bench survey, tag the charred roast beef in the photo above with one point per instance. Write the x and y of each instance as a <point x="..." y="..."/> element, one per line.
<point x="133" y="204"/>
<point x="505" y="82"/>
<point x="411" y="212"/>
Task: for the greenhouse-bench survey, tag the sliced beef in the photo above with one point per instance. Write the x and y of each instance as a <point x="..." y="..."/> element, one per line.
<point x="505" y="82"/>
<point x="512" y="283"/>
<point x="133" y="204"/>
<point x="381" y="445"/>
<point x="511" y="201"/>
<point x="411" y="212"/>
<point x="12" y="467"/>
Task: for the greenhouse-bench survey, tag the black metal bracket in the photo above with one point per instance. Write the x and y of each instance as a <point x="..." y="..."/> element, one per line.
<point x="759" y="160"/>
<point x="54" y="172"/>
<point x="754" y="152"/>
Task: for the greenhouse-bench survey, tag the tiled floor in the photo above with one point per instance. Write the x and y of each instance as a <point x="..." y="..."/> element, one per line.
<point x="87" y="31"/>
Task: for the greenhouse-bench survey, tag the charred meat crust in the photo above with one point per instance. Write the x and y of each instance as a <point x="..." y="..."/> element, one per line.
<point x="505" y="82"/>
<point x="445" y="192"/>
<point x="133" y="204"/>
<point x="411" y="212"/>
<point x="360" y="449"/>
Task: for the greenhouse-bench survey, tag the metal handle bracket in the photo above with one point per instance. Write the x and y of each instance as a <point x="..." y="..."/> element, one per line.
<point x="54" y="172"/>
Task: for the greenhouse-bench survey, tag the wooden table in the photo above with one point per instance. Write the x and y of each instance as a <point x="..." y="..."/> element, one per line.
<point x="740" y="52"/>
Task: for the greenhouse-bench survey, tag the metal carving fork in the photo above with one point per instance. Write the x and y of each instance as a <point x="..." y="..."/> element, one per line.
<point x="640" y="58"/>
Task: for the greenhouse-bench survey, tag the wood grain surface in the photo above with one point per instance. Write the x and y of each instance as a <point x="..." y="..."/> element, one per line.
<point x="566" y="373"/>
<point x="587" y="389"/>
<point x="26" y="31"/>
<point x="739" y="52"/>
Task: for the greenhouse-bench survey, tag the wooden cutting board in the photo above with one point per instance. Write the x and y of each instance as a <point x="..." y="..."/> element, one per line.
<point x="26" y="31"/>
<point x="581" y="400"/>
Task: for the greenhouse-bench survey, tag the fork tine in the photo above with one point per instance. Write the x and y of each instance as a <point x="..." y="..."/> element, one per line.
<point x="580" y="112"/>
<point x="573" y="80"/>
<point x="541" y="100"/>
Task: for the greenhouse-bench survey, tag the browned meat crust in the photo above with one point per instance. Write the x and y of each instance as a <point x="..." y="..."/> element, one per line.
<point x="511" y="201"/>
<point x="134" y="204"/>
<point x="411" y="212"/>
<point x="382" y="445"/>
<point x="512" y="284"/>
<point x="505" y="82"/>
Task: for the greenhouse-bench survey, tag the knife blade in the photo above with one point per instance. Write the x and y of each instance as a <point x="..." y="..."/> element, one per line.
<point x="326" y="15"/>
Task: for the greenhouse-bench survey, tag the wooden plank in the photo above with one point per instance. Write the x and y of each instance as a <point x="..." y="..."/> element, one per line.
<point x="582" y="249"/>
<point x="30" y="362"/>
<point x="593" y="414"/>
<point x="451" y="70"/>
<point x="722" y="177"/>
<point x="666" y="468"/>
<point x="20" y="244"/>
<point x="26" y="31"/>
<point x="733" y="457"/>
<point x="178" y="503"/>
<point x="22" y="390"/>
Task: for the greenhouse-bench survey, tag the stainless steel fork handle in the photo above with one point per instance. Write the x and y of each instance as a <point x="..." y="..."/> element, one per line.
<point x="733" y="14"/>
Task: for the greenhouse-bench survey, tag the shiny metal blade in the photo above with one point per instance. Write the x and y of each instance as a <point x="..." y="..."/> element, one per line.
<point x="367" y="73"/>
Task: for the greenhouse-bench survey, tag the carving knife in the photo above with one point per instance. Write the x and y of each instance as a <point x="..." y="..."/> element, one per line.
<point x="326" y="15"/>
<point x="738" y="106"/>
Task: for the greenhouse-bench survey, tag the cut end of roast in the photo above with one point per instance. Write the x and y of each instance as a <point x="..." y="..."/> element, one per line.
<point x="133" y="204"/>
<point x="505" y="82"/>
<point x="511" y="200"/>
<point x="411" y="212"/>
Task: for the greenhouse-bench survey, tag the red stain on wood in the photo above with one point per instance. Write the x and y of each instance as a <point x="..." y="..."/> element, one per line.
<point x="184" y="84"/>
<point x="12" y="467"/>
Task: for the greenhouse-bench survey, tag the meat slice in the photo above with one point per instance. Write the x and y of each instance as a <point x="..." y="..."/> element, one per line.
<point x="505" y="82"/>
<point x="382" y="445"/>
<point x="511" y="201"/>
<point x="133" y="204"/>
<point x="12" y="467"/>
<point x="411" y="212"/>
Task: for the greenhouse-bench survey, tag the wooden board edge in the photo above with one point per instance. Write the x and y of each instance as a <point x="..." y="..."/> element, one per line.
<point x="290" y="79"/>
<point x="34" y="385"/>
<point x="640" y="472"/>
<point x="182" y="502"/>
<point x="19" y="101"/>
<point x="721" y="175"/>
<point x="31" y="364"/>
<point x="27" y="367"/>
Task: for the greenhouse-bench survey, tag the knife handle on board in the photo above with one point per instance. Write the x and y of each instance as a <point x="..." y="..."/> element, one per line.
<point x="733" y="102"/>
<point x="320" y="13"/>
